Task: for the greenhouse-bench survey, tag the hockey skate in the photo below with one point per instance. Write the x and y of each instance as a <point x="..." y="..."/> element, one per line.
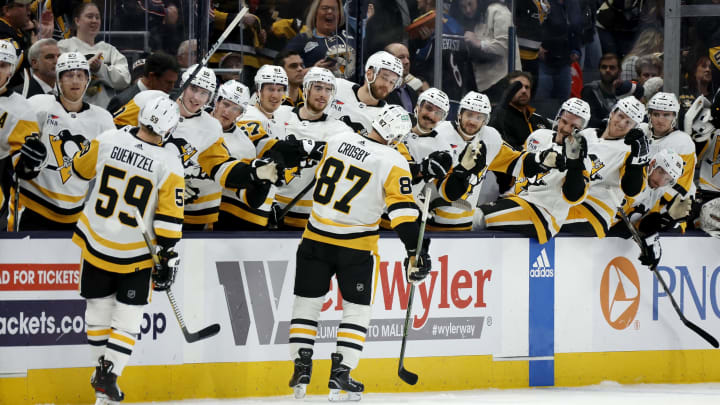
<point x="303" y="370"/>
<point x="104" y="381"/>
<point x="340" y="380"/>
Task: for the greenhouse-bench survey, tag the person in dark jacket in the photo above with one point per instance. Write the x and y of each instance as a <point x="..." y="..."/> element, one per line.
<point x="15" y="17"/>
<point x="161" y="72"/>
<point x="406" y="94"/>
<point x="600" y="94"/>
<point x="43" y="57"/>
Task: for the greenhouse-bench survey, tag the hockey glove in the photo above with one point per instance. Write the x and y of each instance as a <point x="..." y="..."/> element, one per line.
<point x="164" y="275"/>
<point x="511" y="91"/>
<point x="313" y="149"/>
<point x="549" y="159"/>
<point x="436" y="165"/>
<point x="574" y="148"/>
<point x="473" y="158"/>
<point x="651" y="251"/>
<point x="274" y="220"/>
<point x="416" y="271"/>
<point x="265" y="170"/>
<point x="33" y="156"/>
<point x="191" y="193"/>
<point x="639" y="146"/>
<point x="680" y="208"/>
<point x="288" y="153"/>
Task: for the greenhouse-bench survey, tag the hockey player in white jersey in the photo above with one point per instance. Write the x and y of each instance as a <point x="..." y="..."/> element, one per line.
<point x="18" y="133"/>
<point x="477" y="148"/>
<point x="313" y="127"/>
<point x="358" y="105"/>
<point x="541" y="208"/>
<point x="134" y="172"/>
<point x="54" y="199"/>
<point x="358" y="178"/>
<point x="619" y="154"/>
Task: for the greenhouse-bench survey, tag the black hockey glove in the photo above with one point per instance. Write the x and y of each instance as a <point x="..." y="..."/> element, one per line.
<point x="33" y="154"/>
<point x="550" y="159"/>
<point x="639" y="147"/>
<point x="574" y="148"/>
<point x="417" y="271"/>
<point x="436" y="165"/>
<point x="473" y="158"/>
<point x="288" y="153"/>
<point x="266" y="170"/>
<point x="274" y="220"/>
<point x="512" y="89"/>
<point x="164" y="275"/>
<point x="651" y="251"/>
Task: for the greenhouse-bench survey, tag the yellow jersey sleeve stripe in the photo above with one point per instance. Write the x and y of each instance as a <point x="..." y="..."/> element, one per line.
<point x="22" y="129"/>
<point x="84" y="163"/>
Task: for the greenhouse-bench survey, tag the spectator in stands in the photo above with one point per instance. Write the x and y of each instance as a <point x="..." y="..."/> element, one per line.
<point x="387" y="24"/>
<point x="486" y="36"/>
<point x="648" y="66"/>
<point x="699" y="81"/>
<point x="137" y="70"/>
<point x="600" y="94"/>
<point x="187" y="53"/>
<point x="160" y="73"/>
<point x="618" y="22"/>
<point x="650" y="41"/>
<point x="295" y="69"/>
<point x="43" y="57"/>
<point x="561" y="46"/>
<point x="406" y="94"/>
<point x="15" y="19"/>
<point x="167" y="36"/>
<point x="529" y="17"/>
<point x="323" y="21"/>
<point x="592" y="49"/>
<point x="231" y="60"/>
<point x="109" y="68"/>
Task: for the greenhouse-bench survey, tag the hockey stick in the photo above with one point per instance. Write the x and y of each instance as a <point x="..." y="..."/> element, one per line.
<point x="295" y="200"/>
<point x="638" y="239"/>
<point x="212" y="50"/>
<point x="404" y="374"/>
<point x="190" y="337"/>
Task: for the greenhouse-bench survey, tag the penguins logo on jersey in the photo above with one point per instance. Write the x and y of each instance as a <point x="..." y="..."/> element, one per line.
<point x="64" y="145"/>
<point x="597" y="164"/>
<point x="187" y="151"/>
<point x="524" y="183"/>
<point x="716" y="152"/>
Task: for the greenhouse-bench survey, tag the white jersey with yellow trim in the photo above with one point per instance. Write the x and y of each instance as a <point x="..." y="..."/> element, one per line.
<point x="128" y="114"/>
<point x="499" y="157"/>
<point x="421" y="146"/>
<point x="545" y="192"/>
<point x="709" y="161"/>
<point x="681" y="143"/>
<point x="605" y="195"/>
<point x="55" y="193"/>
<point x="348" y="108"/>
<point x="16" y="122"/>
<point x="320" y="129"/>
<point x="130" y="174"/>
<point x="356" y="180"/>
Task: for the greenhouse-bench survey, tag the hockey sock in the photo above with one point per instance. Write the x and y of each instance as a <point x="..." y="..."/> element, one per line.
<point x="98" y="315"/>
<point x="125" y="324"/>
<point x="303" y="326"/>
<point x="351" y="332"/>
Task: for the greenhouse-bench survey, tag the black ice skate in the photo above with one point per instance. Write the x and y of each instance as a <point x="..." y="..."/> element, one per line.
<point x="303" y="370"/>
<point x="340" y="380"/>
<point x="105" y="384"/>
<point x="95" y="378"/>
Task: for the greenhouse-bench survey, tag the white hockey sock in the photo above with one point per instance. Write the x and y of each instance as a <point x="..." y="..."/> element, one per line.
<point x="125" y="328"/>
<point x="351" y="332"/>
<point x="98" y="315"/>
<point x="304" y="323"/>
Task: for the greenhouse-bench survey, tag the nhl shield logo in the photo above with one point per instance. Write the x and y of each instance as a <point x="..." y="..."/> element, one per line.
<point x="360" y="287"/>
<point x="131" y="294"/>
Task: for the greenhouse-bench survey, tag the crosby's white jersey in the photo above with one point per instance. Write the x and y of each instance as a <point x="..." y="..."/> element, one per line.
<point x="356" y="180"/>
<point x="348" y="108"/>
<point x="55" y="193"/>
<point x="545" y="191"/>
<point x="681" y="143"/>
<point x="16" y="122"/>
<point x="317" y="130"/>
<point x="709" y="161"/>
<point x="499" y="157"/>
<point x="131" y="174"/>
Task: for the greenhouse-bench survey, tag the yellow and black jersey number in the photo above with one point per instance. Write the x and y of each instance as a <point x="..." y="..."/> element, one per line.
<point x="330" y="174"/>
<point x="137" y="194"/>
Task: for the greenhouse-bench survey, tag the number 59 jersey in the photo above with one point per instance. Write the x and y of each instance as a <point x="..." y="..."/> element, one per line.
<point x="131" y="174"/>
<point x="356" y="179"/>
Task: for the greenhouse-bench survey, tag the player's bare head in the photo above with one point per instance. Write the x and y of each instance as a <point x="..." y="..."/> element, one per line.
<point x="473" y="113"/>
<point x="401" y="52"/>
<point x="271" y="83"/>
<point x="200" y="91"/>
<point x="8" y="58"/>
<point x="318" y="89"/>
<point x="73" y="76"/>
<point x="432" y="107"/>
<point x="665" y="168"/>
<point x="663" y="109"/>
<point x="626" y="115"/>
<point x="574" y="115"/>
<point x="383" y="74"/>
<point x="232" y="100"/>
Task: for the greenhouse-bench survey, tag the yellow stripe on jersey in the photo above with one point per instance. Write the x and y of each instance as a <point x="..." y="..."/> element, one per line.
<point x="122" y="338"/>
<point x="622" y="170"/>
<point x="398" y="187"/>
<point x="57" y="196"/>
<point x="214" y="156"/>
<point x="286" y="200"/>
<point x="242" y="213"/>
<point x="402" y="148"/>
<point x="206" y="198"/>
<point x="46" y="212"/>
<point x="537" y="222"/>
<point x="295" y="222"/>
<point x="452" y="215"/>
<point x="339" y="225"/>
<point x="201" y="219"/>
<point x="363" y="243"/>
<point x="108" y="243"/>
<point x="505" y="157"/>
<point x="169" y="213"/>
<point x="127" y="114"/>
<point x="582" y="212"/>
<point x="349" y="335"/>
<point x="108" y="265"/>
<point x="84" y="163"/>
<point x="610" y="211"/>
<point x="401" y="220"/>
<point x="22" y="129"/>
<point x="685" y="181"/>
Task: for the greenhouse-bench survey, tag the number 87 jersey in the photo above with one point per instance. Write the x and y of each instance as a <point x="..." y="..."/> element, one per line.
<point x="130" y="174"/>
<point x="356" y="179"/>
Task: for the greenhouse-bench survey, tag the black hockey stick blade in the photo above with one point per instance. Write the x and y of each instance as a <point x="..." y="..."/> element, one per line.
<point x="204" y="333"/>
<point x="708" y="337"/>
<point x="408" y="376"/>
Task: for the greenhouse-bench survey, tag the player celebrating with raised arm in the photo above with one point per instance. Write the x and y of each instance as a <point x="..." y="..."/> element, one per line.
<point x="357" y="179"/>
<point x="54" y="199"/>
<point x="134" y="172"/>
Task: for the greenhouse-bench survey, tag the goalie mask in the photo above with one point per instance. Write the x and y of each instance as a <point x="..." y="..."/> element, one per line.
<point x="160" y="115"/>
<point x="392" y="124"/>
<point x="698" y="120"/>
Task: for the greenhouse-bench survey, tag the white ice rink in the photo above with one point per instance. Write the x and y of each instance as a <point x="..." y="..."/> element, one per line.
<point x="606" y="393"/>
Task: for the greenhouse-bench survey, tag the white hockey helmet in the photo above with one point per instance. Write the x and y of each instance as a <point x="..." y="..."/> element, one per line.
<point x="71" y="61"/>
<point x="663" y="101"/>
<point x="577" y="107"/>
<point x="697" y="120"/>
<point x="234" y="92"/>
<point x="632" y="107"/>
<point x="161" y="115"/>
<point x="317" y="74"/>
<point x="392" y="123"/>
<point x="8" y="54"/>
<point x="436" y="97"/>
<point x="474" y="101"/>
<point x="270" y="74"/>
<point x="385" y="60"/>
<point x="205" y="79"/>
<point x="669" y="161"/>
